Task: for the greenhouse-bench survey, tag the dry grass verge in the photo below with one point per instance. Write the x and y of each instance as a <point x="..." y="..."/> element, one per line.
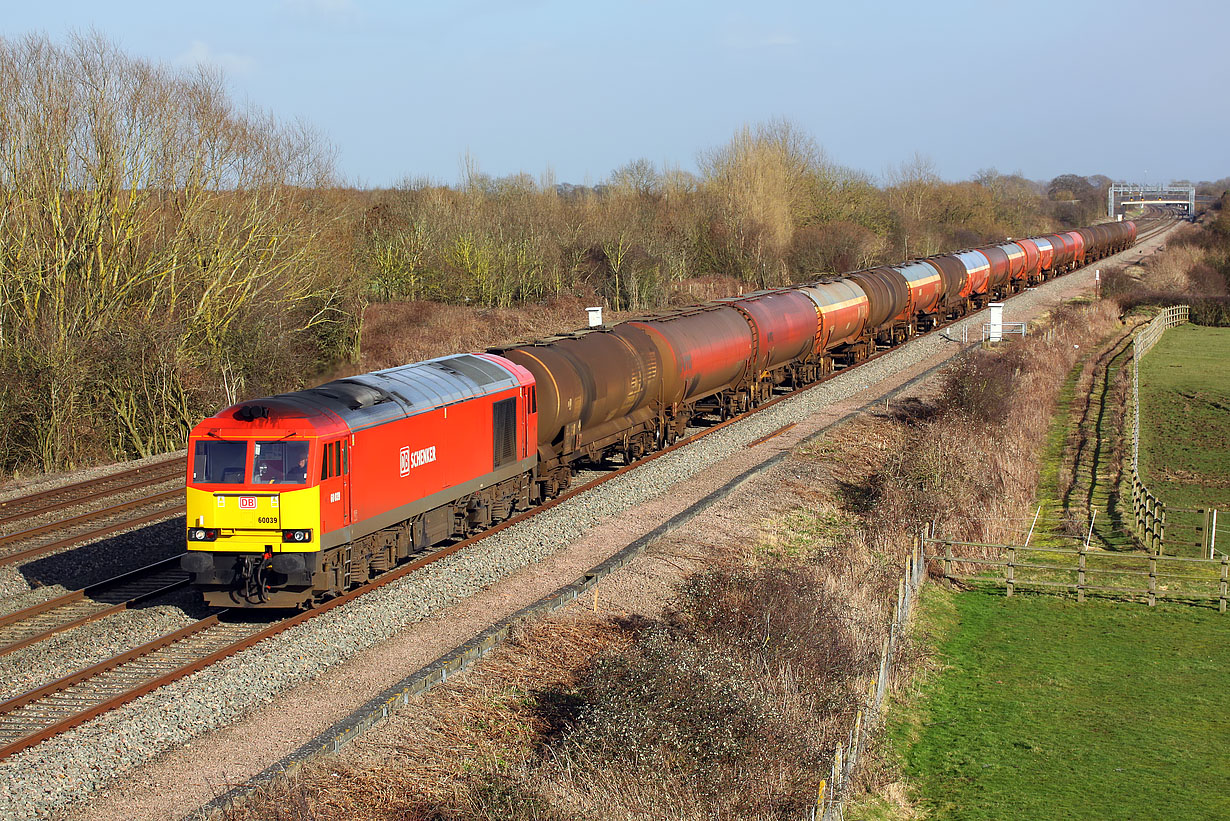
<point x="969" y="469"/>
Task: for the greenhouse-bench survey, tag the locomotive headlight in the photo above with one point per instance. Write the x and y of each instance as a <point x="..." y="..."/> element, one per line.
<point x="296" y="535"/>
<point x="198" y="534"/>
<point x="202" y="534"/>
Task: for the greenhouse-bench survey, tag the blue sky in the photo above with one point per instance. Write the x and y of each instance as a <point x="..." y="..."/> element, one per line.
<point x="406" y="89"/>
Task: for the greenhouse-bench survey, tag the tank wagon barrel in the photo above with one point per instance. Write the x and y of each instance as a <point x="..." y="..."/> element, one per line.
<point x="1000" y="275"/>
<point x="1033" y="259"/>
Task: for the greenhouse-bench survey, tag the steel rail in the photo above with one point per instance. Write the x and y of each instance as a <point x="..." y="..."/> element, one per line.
<point x="97" y="533"/>
<point x="51" y="507"/>
<point x="33" y="624"/>
<point x="53" y="726"/>
<point x="42" y="498"/>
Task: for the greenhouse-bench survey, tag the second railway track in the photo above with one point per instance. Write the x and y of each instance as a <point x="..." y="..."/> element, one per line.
<point x="82" y="512"/>
<point x="33" y="624"/>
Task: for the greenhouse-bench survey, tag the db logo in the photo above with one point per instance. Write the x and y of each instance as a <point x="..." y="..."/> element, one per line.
<point x="247" y="503"/>
<point x="416" y="458"/>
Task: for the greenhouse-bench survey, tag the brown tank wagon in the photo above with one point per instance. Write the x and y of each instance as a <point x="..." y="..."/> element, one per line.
<point x="1016" y="263"/>
<point x="1000" y="276"/>
<point x="888" y="298"/>
<point x="957" y="284"/>
<point x="1064" y="252"/>
<point x="590" y="382"/>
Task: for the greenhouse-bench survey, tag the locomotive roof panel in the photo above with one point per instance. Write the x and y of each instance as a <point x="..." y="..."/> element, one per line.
<point x="375" y="398"/>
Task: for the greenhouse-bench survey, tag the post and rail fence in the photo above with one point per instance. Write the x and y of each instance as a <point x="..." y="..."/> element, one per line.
<point x="1149" y="512"/>
<point x="1083" y="575"/>
<point x="1213" y="585"/>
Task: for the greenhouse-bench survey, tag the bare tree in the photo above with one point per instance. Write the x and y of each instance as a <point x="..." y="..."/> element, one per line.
<point x="149" y="231"/>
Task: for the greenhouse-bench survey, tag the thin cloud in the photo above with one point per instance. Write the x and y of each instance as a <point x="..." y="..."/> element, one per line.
<point x="200" y="54"/>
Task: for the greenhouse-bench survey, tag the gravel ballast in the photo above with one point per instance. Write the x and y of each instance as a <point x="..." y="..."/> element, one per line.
<point x="44" y="779"/>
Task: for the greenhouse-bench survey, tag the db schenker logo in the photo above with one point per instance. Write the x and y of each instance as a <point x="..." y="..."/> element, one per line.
<point x="418" y="458"/>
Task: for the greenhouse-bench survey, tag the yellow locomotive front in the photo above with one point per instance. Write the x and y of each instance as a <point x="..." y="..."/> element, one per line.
<point x="253" y="511"/>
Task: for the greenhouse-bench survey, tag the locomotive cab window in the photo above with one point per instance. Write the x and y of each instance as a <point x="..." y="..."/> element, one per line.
<point x="280" y="463"/>
<point x="219" y="462"/>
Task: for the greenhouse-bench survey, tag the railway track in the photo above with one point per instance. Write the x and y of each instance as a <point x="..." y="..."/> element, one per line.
<point x="33" y="624"/>
<point x="57" y="498"/>
<point x="34" y="529"/>
<point x="51" y="709"/>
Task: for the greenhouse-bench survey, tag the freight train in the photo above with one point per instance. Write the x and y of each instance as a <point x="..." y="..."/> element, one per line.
<point x="298" y="497"/>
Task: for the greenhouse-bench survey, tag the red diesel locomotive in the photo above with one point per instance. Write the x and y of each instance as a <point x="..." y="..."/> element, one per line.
<point x="298" y="497"/>
<point x="301" y="495"/>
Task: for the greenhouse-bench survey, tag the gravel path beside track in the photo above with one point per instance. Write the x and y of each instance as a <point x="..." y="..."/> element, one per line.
<point x="105" y="764"/>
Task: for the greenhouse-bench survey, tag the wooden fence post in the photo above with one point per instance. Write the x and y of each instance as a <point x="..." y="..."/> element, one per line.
<point x="1011" y="568"/>
<point x="1161" y="532"/>
<point x="947" y="561"/>
<point x="1136" y="504"/>
<point x="1221" y="598"/>
<point x="1080" y="573"/>
<point x="1152" y="579"/>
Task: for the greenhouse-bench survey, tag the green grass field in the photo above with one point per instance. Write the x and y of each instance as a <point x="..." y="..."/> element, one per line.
<point x="1185" y="424"/>
<point x="1050" y="709"/>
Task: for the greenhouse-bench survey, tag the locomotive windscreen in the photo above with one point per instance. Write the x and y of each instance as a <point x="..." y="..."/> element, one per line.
<point x="219" y="462"/>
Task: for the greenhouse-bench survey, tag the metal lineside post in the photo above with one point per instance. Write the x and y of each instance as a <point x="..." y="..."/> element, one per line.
<point x="1213" y="535"/>
<point x="1030" y="535"/>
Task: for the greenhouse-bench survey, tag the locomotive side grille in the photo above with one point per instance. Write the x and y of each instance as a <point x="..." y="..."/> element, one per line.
<point x="504" y="430"/>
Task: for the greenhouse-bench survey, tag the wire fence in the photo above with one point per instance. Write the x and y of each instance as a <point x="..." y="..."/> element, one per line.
<point x="833" y="790"/>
